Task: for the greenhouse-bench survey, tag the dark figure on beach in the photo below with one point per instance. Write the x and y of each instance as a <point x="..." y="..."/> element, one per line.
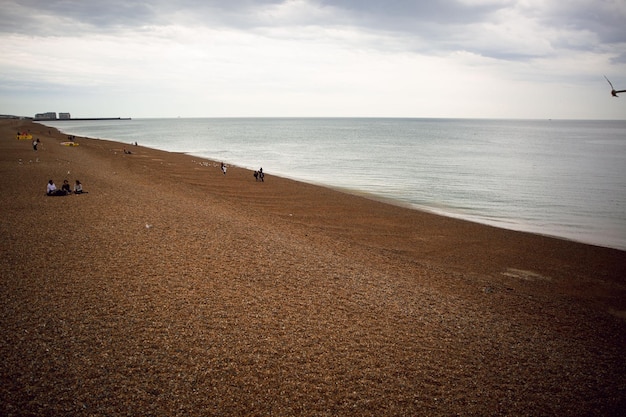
<point x="66" y="187"/>
<point x="613" y="91"/>
<point x="35" y="143"/>
<point x="223" y="168"/>
<point x="256" y="175"/>
<point x="261" y="175"/>
<point x="78" y="188"/>
<point x="51" y="189"/>
<point x="127" y="152"/>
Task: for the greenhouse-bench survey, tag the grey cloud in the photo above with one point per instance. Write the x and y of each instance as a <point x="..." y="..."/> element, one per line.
<point x="604" y="18"/>
<point x="429" y="27"/>
<point x="57" y="16"/>
<point x="619" y="59"/>
<point x="418" y="25"/>
<point x="22" y="16"/>
<point x="448" y="24"/>
<point x="407" y="13"/>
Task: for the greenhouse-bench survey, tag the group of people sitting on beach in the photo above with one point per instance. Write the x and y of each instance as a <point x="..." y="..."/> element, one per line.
<point x="52" y="189"/>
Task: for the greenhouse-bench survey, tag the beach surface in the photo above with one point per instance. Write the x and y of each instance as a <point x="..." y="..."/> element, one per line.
<point x="173" y="289"/>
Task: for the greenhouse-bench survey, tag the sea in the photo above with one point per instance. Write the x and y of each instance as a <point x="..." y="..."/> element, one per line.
<point x="561" y="178"/>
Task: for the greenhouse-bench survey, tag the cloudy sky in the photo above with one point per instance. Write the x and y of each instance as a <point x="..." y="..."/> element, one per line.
<point x="339" y="58"/>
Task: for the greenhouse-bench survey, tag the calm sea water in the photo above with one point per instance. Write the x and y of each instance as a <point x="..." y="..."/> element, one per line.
<point x="559" y="178"/>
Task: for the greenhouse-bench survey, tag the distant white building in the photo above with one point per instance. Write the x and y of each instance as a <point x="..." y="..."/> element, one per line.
<point x="64" y="116"/>
<point x="46" y="116"/>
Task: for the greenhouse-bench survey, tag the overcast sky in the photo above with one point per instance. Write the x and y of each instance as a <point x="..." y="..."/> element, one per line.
<point x="338" y="58"/>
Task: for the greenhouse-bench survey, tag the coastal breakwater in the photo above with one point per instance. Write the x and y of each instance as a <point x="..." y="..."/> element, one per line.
<point x="81" y="119"/>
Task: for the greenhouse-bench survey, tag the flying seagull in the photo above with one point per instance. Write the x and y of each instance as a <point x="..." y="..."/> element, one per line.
<point x="613" y="92"/>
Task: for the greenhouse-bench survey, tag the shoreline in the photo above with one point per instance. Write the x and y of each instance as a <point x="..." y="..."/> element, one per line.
<point x="569" y="223"/>
<point x="171" y="287"/>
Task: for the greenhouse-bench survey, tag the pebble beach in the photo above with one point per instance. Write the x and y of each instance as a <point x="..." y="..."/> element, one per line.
<point x="172" y="289"/>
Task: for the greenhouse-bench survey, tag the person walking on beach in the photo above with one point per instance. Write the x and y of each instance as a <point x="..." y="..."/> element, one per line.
<point x="261" y="175"/>
<point x="35" y="143"/>
<point x="223" y="168"/>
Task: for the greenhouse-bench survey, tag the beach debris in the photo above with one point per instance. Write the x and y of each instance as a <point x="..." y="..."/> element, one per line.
<point x="525" y="275"/>
<point x="148" y="226"/>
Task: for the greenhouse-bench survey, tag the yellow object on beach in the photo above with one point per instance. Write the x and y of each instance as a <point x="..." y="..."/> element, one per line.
<point x="24" y="136"/>
<point x="69" y="143"/>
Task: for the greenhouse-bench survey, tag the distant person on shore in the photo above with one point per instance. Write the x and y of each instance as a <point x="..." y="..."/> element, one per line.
<point x="78" y="188"/>
<point x="261" y="175"/>
<point x="256" y="175"/>
<point x="223" y="167"/>
<point x="35" y="143"/>
<point x="51" y="189"/>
